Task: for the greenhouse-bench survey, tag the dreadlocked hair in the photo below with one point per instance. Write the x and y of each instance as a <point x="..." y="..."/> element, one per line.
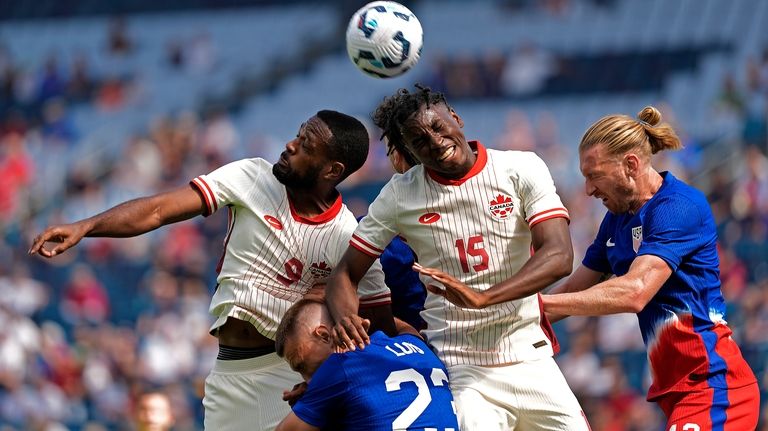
<point x="392" y="112"/>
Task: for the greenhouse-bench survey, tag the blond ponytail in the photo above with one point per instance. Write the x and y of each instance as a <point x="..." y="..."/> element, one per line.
<point x="620" y="134"/>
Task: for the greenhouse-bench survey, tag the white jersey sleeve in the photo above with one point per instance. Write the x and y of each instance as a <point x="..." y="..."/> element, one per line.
<point x="371" y="290"/>
<point x="536" y="188"/>
<point x="379" y="226"/>
<point x="230" y="184"/>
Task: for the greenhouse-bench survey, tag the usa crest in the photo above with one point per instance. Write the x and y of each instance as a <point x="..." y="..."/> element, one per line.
<point x="637" y="237"/>
<point x="320" y="270"/>
<point x="501" y="207"/>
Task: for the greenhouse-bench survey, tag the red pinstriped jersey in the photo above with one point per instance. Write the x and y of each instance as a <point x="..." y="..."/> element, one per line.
<point x="273" y="255"/>
<point x="478" y="229"/>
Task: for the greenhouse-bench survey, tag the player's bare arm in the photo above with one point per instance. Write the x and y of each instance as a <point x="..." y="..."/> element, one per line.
<point x="582" y="278"/>
<point x="131" y="218"/>
<point x="380" y="318"/>
<point x="552" y="260"/>
<point x="341" y="298"/>
<point x="294" y="423"/>
<point x="629" y="293"/>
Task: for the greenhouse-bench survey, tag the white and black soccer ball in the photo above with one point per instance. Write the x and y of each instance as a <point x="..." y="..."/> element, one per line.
<point x="384" y="39"/>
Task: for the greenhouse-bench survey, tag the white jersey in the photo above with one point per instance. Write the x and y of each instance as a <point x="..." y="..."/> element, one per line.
<point x="477" y="229"/>
<point x="272" y="255"/>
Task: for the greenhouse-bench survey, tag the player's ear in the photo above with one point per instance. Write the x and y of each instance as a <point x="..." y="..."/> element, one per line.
<point x="457" y="117"/>
<point x="335" y="171"/>
<point x="632" y="164"/>
<point x="323" y="333"/>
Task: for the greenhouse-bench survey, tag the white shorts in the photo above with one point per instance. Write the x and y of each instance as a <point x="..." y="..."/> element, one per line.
<point x="247" y="394"/>
<point x="530" y="395"/>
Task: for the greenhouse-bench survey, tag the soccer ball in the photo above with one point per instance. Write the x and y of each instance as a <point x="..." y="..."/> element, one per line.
<point x="384" y="39"/>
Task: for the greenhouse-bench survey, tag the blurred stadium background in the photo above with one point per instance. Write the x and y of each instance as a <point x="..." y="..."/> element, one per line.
<point x="105" y="101"/>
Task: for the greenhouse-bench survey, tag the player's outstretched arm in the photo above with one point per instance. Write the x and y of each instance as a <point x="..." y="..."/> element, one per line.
<point x="629" y="293"/>
<point x="581" y="279"/>
<point x="341" y="298"/>
<point x="128" y="219"/>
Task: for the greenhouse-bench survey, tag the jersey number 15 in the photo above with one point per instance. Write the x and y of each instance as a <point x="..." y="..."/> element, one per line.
<point x="473" y="248"/>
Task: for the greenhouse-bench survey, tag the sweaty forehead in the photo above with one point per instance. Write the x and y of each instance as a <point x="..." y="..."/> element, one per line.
<point x="593" y="159"/>
<point x="317" y="128"/>
<point x="425" y="115"/>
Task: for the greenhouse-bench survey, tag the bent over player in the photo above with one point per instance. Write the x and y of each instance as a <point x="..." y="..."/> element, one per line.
<point x="660" y="241"/>
<point x="287" y="227"/>
<point x="396" y="383"/>
<point x="472" y="216"/>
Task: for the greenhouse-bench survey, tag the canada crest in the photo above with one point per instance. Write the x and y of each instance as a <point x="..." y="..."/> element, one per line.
<point x="320" y="270"/>
<point x="501" y="207"/>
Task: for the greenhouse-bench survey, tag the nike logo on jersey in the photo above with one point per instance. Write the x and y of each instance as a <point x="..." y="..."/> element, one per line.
<point x="610" y="243"/>
<point x="274" y="222"/>
<point x="429" y="218"/>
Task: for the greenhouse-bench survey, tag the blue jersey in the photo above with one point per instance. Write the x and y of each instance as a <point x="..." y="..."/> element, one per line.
<point x="408" y="292"/>
<point x="393" y="384"/>
<point x="683" y="326"/>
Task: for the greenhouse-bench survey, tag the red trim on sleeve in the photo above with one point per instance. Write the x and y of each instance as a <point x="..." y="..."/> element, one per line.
<point x="379" y="296"/>
<point x="205" y="196"/>
<point x="550" y="217"/>
<point x="366" y="243"/>
<point x="213" y="197"/>
<point x="324" y="217"/>
<point x="537" y="218"/>
<point x="363" y="250"/>
<point x="547" y="327"/>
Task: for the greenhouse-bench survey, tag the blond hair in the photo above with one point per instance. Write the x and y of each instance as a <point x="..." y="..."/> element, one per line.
<point x="620" y="134"/>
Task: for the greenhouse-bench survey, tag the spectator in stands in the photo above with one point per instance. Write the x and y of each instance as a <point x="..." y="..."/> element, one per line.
<point x="527" y="70"/>
<point x="119" y="42"/>
<point x="154" y="412"/>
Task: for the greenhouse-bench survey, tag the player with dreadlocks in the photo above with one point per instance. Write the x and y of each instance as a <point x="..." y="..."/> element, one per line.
<point x="472" y="216"/>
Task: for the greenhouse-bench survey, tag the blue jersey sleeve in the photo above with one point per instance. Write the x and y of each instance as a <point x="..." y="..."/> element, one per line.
<point x="673" y="229"/>
<point x="596" y="257"/>
<point x="325" y="393"/>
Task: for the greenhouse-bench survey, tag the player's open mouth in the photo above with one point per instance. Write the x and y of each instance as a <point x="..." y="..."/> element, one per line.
<point x="447" y="153"/>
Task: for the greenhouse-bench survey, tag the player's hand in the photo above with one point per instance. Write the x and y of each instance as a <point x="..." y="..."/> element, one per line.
<point x="66" y="236"/>
<point x="351" y="332"/>
<point x="455" y="291"/>
<point x="294" y="394"/>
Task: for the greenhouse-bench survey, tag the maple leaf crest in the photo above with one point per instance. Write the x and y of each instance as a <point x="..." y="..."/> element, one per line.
<point x="501" y="199"/>
<point x="501" y="206"/>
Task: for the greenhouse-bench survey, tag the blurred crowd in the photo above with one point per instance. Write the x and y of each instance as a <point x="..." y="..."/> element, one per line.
<point x="87" y="333"/>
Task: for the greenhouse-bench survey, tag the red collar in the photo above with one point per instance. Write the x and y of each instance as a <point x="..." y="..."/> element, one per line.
<point x="324" y="217"/>
<point x="482" y="159"/>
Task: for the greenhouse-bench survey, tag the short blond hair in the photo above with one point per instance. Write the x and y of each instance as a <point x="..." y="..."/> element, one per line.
<point x="620" y="134"/>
